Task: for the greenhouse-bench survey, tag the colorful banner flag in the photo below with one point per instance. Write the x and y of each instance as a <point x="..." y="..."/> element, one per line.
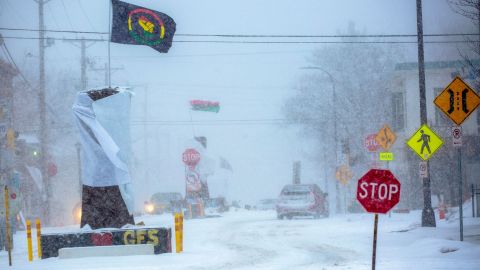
<point x="202" y="105"/>
<point x="137" y="25"/>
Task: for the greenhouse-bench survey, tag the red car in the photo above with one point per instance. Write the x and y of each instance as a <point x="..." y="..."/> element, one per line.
<point x="302" y="200"/>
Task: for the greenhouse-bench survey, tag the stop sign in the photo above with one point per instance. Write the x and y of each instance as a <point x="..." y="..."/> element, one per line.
<point x="371" y="144"/>
<point x="191" y="157"/>
<point x="378" y="191"/>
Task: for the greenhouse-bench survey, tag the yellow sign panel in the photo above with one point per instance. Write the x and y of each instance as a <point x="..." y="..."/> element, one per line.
<point x="386" y="156"/>
<point x="385" y="137"/>
<point x="11" y="138"/>
<point x="425" y="142"/>
<point x="458" y="100"/>
<point x="344" y="174"/>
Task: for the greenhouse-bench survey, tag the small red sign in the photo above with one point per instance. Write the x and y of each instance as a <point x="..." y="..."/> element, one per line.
<point x="102" y="239"/>
<point x="378" y="191"/>
<point x="371" y="144"/>
<point x="13" y="196"/>
<point x="191" y="157"/>
<point x="457" y="136"/>
<point x="51" y="169"/>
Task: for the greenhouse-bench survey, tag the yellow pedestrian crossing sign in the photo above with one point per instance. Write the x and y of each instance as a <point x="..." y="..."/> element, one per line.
<point x="425" y="142"/>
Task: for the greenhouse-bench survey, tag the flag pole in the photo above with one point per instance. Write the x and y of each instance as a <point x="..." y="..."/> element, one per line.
<point x="108" y="41"/>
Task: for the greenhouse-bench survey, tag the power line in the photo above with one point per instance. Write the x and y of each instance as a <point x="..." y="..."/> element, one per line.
<point x="258" y="36"/>
<point x="66" y="13"/>
<point x="53" y="31"/>
<point x="315" y="42"/>
<point x="29" y="85"/>
<point x="262" y="42"/>
<point x="85" y="14"/>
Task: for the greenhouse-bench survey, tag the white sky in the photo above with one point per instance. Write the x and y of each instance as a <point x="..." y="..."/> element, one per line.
<point x="250" y="81"/>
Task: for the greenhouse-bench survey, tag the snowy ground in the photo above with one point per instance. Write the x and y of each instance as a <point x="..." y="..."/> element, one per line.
<point x="257" y="240"/>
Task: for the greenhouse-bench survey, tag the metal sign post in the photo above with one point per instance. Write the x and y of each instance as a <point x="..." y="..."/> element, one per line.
<point x="458" y="101"/>
<point x="8" y="238"/>
<point x="457" y="142"/>
<point x="378" y="191"/>
<point x="460" y="191"/>
<point x="374" y="253"/>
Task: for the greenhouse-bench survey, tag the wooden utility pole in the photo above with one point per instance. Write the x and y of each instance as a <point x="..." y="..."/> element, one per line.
<point x="41" y="106"/>
<point x="108" y="70"/>
<point x="83" y="60"/>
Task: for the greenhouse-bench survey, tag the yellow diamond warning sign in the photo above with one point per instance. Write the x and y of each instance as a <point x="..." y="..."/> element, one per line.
<point x="385" y="137"/>
<point x="343" y="174"/>
<point x="458" y="100"/>
<point x="425" y="142"/>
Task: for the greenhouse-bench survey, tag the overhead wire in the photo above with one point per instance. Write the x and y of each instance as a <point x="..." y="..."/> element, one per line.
<point x="261" y="42"/>
<point x="260" y="35"/>
<point x="29" y="85"/>
<point x="85" y="14"/>
<point x="66" y="13"/>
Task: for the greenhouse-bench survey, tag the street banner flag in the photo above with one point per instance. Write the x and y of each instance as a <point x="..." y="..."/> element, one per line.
<point x="205" y="105"/>
<point x="137" y="25"/>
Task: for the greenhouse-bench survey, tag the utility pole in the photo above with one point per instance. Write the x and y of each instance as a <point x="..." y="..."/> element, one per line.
<point x="83" y="64"/>
<point x="42" y="105"/>
<point x="108" y="71"/>
<point x="83" y="60"/>
<point x="428" y="216"/>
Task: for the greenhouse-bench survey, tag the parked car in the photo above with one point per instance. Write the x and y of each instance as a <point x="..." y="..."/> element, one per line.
<point x="218" y="204"/>
<point x="267" y="204"/>
<point x="164" y="202"/>
<point x="302" y="200"/>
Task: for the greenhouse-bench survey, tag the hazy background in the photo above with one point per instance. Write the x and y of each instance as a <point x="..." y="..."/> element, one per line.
<point x="251" y="81"/>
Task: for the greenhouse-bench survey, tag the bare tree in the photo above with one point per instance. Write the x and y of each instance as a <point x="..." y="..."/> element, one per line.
<point x="345" y="87"/>
<point x="471" y="10"/>
<point x="342" y="97"/>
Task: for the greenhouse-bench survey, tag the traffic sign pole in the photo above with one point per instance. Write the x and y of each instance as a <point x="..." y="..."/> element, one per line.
<point x="448" y="101"/>
<point x="374" y="253"/>
<point x="460" y="191"/>
<point x="378" y="191"/>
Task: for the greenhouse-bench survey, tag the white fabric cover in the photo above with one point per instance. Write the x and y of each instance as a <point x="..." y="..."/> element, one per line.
<point x="105" y="137"/>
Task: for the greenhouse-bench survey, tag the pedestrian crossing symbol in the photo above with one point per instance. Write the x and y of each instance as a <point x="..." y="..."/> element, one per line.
<point x="425" y="142"/>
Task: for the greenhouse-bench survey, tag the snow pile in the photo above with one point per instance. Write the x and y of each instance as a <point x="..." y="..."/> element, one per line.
<point x="244" y="239"/>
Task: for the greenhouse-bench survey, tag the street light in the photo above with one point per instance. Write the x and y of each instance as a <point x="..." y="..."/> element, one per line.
<point x="332" y="81"/>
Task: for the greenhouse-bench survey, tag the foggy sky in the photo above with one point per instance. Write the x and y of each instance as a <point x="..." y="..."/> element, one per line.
<point x="250" y="81"/>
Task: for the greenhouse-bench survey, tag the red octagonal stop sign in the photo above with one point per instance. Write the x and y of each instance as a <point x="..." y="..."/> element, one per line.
<point x="191" y="157"/>
<point x="378" y="191"/>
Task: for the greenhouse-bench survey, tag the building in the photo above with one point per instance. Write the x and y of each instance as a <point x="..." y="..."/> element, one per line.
<point x="406" y="121"/>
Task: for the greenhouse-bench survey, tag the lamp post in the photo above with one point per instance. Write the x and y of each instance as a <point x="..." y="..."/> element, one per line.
<point x="334" y="97"/>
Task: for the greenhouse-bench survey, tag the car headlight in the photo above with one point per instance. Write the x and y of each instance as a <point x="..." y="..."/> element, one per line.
<point x="149" y="208"/>
<point x="77" y="213"/>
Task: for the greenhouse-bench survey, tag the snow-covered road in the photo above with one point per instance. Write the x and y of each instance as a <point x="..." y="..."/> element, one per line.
<point x="257" y="240"/>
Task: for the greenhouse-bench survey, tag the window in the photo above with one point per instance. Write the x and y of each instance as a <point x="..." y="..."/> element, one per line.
<point x="440" y="118"/>
<point x="398" y="111"/>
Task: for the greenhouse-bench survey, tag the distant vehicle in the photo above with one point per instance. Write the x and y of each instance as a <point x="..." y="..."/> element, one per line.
<point x="302" y="200"/>
<point x="267" y="204"/>
<point x="219" y="204"/>
<point x="168" y="202"/>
